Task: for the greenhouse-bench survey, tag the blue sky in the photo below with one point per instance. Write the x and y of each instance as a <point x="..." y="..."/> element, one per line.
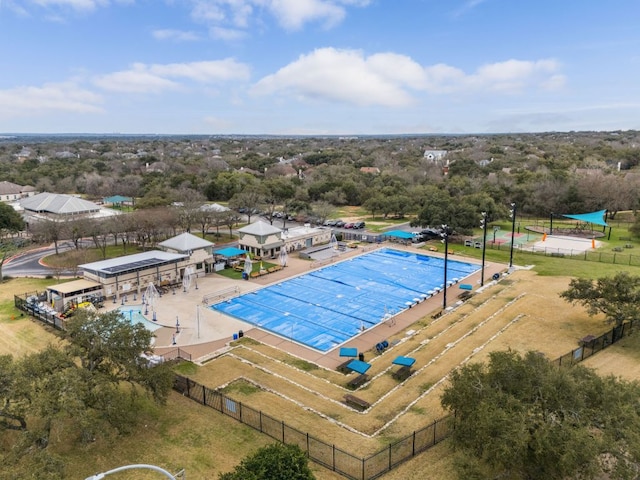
<point x="318" y="67"/>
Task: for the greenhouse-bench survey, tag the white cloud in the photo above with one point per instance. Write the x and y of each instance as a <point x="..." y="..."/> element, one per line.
<point x="345" y="76"/>
<point x="136" y="80"/>
<point x="74" y="4"/>
<point x="227" y="34"/>
<point x="289" y="14"/>
<point x="390" y="79"/>
<point x="293" y="14"/>
<point x="175" y="35"/>
<point x="59" y="97"/>
<point x="512" y="76"/>
<point x="157" y="78"/>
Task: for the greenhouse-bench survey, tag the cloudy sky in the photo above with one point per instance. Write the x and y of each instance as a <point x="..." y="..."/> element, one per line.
<point x="318" y="66"/>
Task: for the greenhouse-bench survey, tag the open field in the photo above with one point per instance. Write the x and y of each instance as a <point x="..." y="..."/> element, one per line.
<point x="521" y="312"/>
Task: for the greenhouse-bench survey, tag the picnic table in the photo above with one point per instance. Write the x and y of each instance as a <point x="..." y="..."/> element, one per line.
<point x="360" y="367"/>
<point x="404" y="371"/>
<point x="350" y="353"/>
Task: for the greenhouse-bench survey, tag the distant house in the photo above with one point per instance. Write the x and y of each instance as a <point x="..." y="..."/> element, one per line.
<point x="118" y="201"/>
<point x="10" y="192"/>
<point x="435" y="155"/>
<point x="370" y="170"/>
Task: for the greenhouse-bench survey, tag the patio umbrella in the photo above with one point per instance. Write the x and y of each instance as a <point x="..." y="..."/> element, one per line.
<point x="283" y="257"/>
<point x="187" y="278"/>
<point x="248" y="265"/>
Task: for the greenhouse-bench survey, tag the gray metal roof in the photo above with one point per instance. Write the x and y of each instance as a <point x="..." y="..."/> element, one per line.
<point x="57" y="203"/>
<point x="185" y="242"/>
<point x="132" y="263"/>
<point x="260" y="228"/>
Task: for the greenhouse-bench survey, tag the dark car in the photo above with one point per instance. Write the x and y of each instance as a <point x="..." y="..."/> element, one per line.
<point x="430" y="234"/>
<point x="339" y="224"/>
<point x="358" y="225"/>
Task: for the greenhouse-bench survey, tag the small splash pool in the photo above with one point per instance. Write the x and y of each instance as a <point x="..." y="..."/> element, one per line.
<point x="133" y="313"/>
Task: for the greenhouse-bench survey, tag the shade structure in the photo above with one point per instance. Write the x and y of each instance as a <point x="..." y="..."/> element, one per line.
<point x="404" y="361"/>
<point x="399" y="234"/>
<point x="358" y="366"/>
<point x="230" y="252"/>
<point x="597" y="218"/>
<point x="348" y="352"/>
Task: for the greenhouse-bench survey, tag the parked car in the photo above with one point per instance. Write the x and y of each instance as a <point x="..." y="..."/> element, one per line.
<point x="348" y="225"/>
<point x="358" y="225"/>
<point x="430" y="233"/>
<point x="339" y="224"/>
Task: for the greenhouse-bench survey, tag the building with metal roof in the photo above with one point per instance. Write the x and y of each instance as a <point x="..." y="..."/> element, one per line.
<point x="133" y="273"/>
<point x="57" y="206"/>
<point x="264" y="240"/>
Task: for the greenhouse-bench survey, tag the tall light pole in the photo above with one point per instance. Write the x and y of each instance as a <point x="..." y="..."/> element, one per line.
<point x="513" y="232"/>
<point x="445" y="237"/>
<point x="483" y="225"/>
<point x="100" y="476"/>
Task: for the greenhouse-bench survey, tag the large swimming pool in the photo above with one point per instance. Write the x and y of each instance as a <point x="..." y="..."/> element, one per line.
<point x="325" y="308"/>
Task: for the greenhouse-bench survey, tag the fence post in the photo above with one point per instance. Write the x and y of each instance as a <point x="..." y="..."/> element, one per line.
<point x="435" y="425"/>
<point x="389" y="456"/>
<point x="333" y="457"/>
<point x="204" y="395"/>
<point x="240" y="410"/>
<point x="282" y="431"/>
<point x="308" y="449"/>
<point x="413" y="446"/>
<point x="261" y="421"/>
<point x="188" y="388"/>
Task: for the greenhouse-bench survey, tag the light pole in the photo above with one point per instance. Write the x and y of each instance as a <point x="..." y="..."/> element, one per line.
<point x="100" y="476"/>
<point x="483" y="225"/>
<point x="445" y="237"/>
<point x="513" y="232"/>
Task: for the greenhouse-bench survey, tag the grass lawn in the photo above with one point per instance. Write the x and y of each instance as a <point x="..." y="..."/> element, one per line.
<point x="184" y="434"/>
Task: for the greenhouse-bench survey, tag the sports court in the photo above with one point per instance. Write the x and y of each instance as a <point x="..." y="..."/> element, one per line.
<point x="324" y="308"/>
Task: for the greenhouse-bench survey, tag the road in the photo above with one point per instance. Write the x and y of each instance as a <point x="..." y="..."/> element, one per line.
<point x="28" y="264"/>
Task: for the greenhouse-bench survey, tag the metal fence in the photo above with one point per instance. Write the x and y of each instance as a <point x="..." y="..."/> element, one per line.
<point x="617" y="258"/>
<point x="30" y="303"/>
<point x="592" y="345"/>
<point x="347" y="464"/>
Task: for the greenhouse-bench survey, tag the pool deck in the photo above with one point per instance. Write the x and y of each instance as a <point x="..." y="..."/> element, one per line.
<point x="204" y="333"/>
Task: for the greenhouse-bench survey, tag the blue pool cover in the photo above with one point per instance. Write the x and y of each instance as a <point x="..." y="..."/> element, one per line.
<point x="324" y="308"/>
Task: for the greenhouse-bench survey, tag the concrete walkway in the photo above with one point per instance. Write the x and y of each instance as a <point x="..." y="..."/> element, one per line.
<point x="190" y="325"/>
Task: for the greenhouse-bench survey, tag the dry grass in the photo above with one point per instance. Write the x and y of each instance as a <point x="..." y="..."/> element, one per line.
<point x="522" y="313"/>
<point x="20" y="334"/>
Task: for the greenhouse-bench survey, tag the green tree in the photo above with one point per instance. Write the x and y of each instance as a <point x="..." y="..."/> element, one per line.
<point x="10" y="221"/>
<point x="273" y="462"/>
<point x="617" y="297"/>
<point x="522" y="417"/>
<point x="96" y="380"/>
